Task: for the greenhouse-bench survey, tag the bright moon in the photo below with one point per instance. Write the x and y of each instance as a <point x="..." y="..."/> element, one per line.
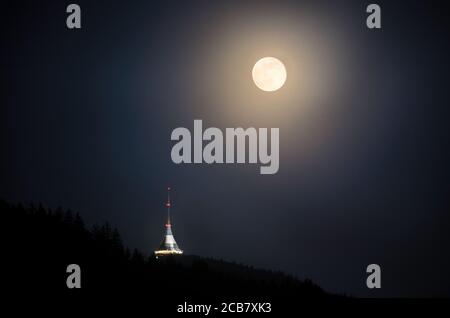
<point x="269" y="74"/>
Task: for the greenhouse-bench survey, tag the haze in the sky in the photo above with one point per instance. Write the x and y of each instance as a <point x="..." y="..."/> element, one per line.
<point x="86" y="118"/>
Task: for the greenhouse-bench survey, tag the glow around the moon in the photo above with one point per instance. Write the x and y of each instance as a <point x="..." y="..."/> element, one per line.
<point x="269" y="74"/>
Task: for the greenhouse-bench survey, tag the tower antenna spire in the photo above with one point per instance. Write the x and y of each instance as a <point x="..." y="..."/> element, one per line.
<point x="168" y="205"/>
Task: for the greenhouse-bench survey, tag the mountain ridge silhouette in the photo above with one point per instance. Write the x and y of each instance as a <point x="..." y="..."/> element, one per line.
<point x="44" y="242"/>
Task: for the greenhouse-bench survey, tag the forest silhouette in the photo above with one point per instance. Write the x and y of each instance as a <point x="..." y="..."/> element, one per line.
<point x="44" y="242"/>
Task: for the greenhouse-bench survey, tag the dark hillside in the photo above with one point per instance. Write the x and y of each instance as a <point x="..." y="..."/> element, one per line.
<point x="43" y="242"/>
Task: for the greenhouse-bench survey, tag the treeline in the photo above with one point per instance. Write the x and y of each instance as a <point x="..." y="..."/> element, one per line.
<point x="42" y="242"/>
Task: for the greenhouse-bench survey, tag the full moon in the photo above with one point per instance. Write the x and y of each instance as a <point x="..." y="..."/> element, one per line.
<point x="269" y="74"/>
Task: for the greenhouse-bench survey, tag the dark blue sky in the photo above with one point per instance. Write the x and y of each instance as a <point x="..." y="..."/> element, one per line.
<point x="86" y="118"/>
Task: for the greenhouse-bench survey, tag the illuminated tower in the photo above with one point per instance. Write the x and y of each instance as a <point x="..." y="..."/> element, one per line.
<point x="168" y="246"/>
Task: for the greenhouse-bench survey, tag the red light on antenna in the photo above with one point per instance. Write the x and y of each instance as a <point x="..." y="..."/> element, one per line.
<point x="168" y="188"/>
<point x="168" y="204"/>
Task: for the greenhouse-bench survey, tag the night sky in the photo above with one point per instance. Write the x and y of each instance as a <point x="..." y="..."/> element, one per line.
<point x="86" y="117"/>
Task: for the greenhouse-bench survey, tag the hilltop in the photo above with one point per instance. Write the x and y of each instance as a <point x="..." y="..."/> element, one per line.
<point x="43" y="242"/>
